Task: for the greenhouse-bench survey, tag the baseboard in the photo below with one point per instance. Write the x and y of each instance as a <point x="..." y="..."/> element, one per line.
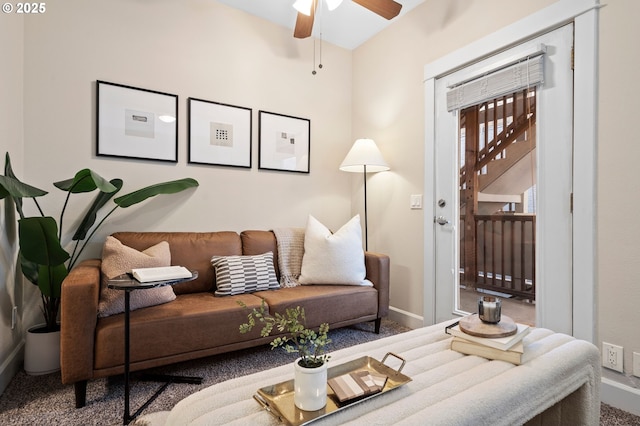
<point x="620" y="396"/>
<point x="405" y="318"/>
<point x="11" y="366"/>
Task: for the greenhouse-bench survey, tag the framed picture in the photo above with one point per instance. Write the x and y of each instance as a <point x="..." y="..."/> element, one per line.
<point x="284" y="142"/>
<point x="136" y="123"/>
<point x="219" y="134"/>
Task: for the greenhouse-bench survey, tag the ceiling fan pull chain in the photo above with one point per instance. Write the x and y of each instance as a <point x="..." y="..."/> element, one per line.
<point x="320" y="62"/>
<point x="314" y="57"/>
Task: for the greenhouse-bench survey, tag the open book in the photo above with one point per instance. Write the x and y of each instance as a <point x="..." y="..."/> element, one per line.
<point x="145" y="275"/>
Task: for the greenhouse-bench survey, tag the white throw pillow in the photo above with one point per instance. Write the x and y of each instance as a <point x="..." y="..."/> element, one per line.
<point x="333" y="258"/>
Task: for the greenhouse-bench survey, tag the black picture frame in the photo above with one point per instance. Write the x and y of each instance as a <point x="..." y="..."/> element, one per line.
<point x="284" y="142"/>
<point x="136" y="123"/>
<point x="219" y="134"/>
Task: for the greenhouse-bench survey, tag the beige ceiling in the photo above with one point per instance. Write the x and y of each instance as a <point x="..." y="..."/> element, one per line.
<point x="347" y="26"/>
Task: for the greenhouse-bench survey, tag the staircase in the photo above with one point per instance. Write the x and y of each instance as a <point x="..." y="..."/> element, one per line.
<point x="498" y="144"/>
<point x="507" y="178"/>
<point x="506" y="163"/>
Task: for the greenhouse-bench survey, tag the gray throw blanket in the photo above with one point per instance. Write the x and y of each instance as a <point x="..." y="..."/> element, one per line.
<point x="290" y="243"/>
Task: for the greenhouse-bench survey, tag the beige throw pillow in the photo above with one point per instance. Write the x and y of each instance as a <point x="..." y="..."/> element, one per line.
<point x="118" y="259"/>
<point x="333" y="258"/>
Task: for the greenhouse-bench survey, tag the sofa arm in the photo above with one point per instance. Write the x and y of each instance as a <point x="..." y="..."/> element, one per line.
<point x="78" y="318"/>
<point x="377" y="266"/>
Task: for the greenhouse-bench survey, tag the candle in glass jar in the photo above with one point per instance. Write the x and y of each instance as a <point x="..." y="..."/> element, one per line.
<point x="489" y="309"/>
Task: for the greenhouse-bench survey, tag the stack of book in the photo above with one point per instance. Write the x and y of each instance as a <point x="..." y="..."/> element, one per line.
<point x="357" y="384"/>
<point x="508" y="348"/>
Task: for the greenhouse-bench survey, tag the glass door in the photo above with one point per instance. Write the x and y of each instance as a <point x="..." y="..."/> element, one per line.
<point x="502" y="184"/>
<point x="497" y="193"/>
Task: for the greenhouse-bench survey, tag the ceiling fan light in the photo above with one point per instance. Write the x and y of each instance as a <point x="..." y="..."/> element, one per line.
<point x="303" y="6"/>
<point x="332" y="4"/>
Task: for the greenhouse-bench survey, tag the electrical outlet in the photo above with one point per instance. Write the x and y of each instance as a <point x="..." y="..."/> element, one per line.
<point x="636" y="364"/>
<point x="612" y="356"/>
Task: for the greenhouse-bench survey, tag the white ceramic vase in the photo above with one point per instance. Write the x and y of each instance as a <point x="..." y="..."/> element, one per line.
<point x="310" y="387"/>
<point x="41" y="351"/>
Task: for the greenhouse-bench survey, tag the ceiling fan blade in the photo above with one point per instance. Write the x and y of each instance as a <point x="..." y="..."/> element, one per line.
<point x="304" y="23"/>
<point x="388" y="9"/>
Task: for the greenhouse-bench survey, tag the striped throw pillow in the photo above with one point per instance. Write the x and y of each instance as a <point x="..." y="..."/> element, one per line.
<point x="244" y="274"/>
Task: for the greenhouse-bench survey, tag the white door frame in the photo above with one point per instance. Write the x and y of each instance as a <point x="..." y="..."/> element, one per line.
<point x="584" y="14"/>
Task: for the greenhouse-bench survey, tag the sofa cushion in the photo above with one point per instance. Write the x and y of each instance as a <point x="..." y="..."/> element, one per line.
<point x="193" y="322"/>
<point x="333" y="258"/>
<point x="193" y="250"/>
<point x="335" y="304"/>
<point x="258" y="242"/>
<point x="244" y="274"/>
<point x="118" y="259"/>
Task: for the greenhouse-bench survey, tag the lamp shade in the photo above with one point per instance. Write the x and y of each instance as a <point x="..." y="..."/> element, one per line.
<point x="364" y="152"/>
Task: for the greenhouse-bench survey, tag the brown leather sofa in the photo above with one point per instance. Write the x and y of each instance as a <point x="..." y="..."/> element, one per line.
<point x="196" y="324"/>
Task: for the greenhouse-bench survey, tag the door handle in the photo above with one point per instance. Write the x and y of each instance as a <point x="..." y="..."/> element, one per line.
<point x="441" y="220"/>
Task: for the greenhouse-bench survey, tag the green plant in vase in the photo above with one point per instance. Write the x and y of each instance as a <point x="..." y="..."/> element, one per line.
<point x="43" y="260"/>
<point x="308" y="344"/>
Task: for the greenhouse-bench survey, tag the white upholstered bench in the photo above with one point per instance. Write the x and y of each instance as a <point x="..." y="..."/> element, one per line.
<point x="557" y="384"/>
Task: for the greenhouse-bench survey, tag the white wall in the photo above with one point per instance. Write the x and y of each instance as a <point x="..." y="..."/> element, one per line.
<point x="388" y="106"/>
<point x="193" y="49"/>
<point x="618" y="187"/>
<point x="196" y="48"/>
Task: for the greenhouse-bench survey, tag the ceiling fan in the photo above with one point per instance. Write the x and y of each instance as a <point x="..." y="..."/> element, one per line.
<point x="388" y="9"/>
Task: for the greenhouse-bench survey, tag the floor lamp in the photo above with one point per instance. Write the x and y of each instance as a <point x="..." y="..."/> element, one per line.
<point x="364" y="157"/>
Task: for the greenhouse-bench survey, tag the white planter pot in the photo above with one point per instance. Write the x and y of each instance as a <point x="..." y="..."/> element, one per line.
<point x="41" y="351"/>
<point x="310" y="387"/>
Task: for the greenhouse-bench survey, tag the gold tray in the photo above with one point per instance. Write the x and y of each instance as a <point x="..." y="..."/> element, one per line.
<point x="278" y="399"/>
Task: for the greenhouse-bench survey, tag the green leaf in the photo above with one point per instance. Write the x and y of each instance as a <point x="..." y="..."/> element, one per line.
<point x="85" y="180"/>
<point x="39" y="241"/>
<point x="91" y="215"/>
<point x="50" y="279"/>
<point x="29" y="269"/>
<point x="14" y="186"/>
<point x="153" y="190"/>
<point x="17" y="189"/>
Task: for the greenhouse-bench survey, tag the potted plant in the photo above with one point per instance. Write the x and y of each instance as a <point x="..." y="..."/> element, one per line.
<point x="310" y="379"/>
<point x="43" y="260"/>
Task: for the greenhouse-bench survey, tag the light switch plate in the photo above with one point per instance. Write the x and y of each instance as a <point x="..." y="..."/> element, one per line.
<point x="416" y="201"/>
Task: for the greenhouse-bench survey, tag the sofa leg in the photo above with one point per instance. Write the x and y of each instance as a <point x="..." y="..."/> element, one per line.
<point x="378" y="324"/>
<point x="81" y="393"/>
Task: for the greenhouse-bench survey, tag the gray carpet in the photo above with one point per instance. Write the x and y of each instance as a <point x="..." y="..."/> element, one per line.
<point x="42" y="400"/>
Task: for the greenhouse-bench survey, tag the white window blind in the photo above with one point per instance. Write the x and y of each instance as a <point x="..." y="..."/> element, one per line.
<point x="527" y="73"/>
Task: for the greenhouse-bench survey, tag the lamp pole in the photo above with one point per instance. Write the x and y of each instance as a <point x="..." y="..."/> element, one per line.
<point x="366" y="232"/>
